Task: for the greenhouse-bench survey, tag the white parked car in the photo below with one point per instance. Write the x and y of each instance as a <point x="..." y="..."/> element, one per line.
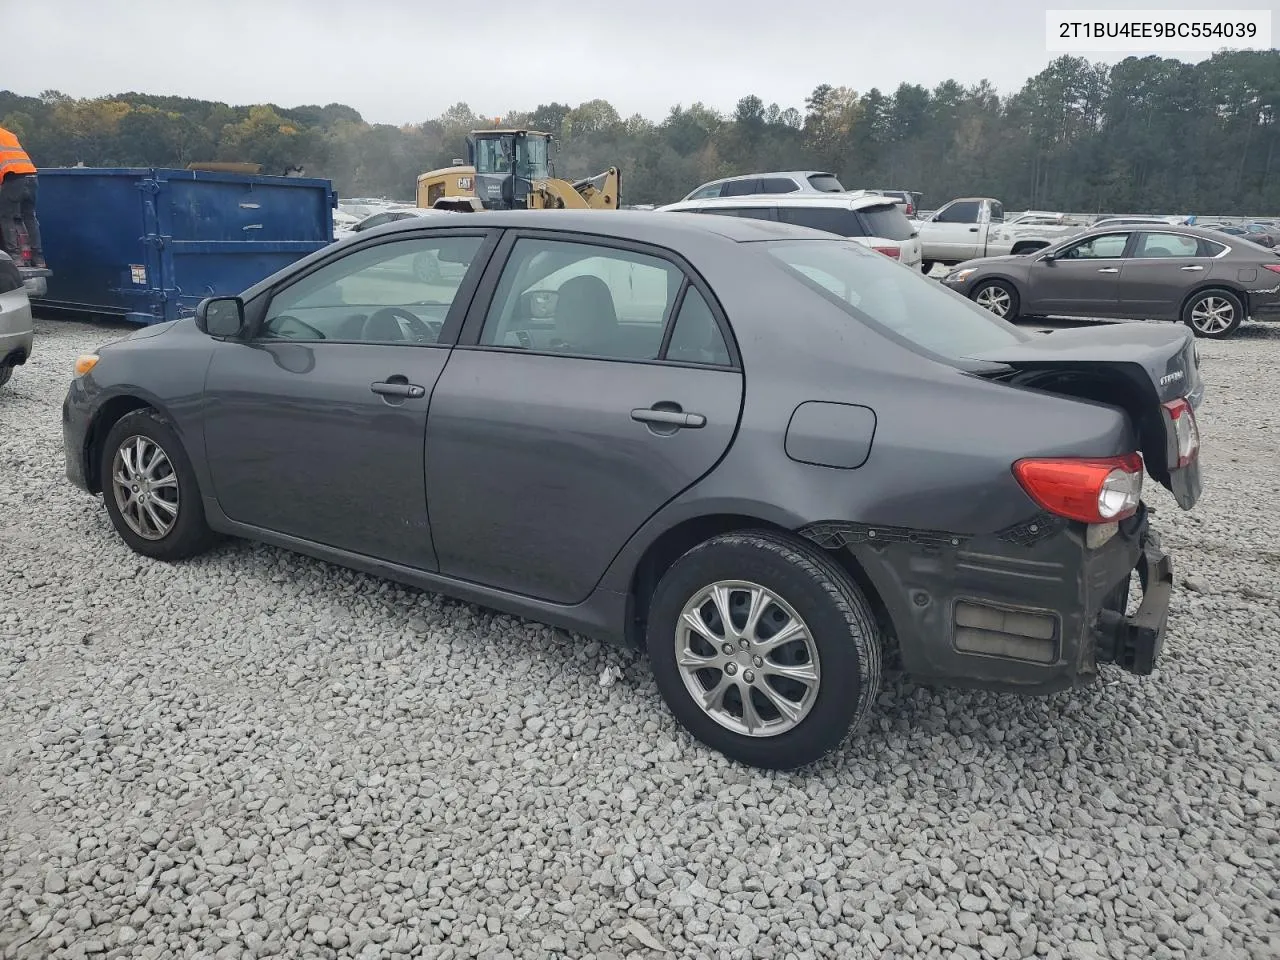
<point x="387" y="215"/>
<point x="16" y="332"/>
<point x="870" y="219"/>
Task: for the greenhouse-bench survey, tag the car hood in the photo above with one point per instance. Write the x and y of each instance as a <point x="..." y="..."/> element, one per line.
<point x="980" y="262"/>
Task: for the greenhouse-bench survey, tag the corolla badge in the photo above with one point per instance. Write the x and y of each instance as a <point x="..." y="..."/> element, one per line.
<point x="1171" y="377"/>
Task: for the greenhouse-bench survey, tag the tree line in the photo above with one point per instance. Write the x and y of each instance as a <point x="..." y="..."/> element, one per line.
<point x="1147" y="133"/>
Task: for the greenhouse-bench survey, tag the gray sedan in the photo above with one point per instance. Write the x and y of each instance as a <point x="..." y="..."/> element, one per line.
<point x="760" y="453"/>
<point x="1204" y="278"/>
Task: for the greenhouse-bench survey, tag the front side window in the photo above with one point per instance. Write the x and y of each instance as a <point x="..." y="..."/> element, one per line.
<point x="389" y="293"/>
<point x="531" y="158"/>
<point x="1108" y="246"/>
<point x="1157" y="245"/>
<point x="962" y="211"/>
<point x="874" y="290"/>
<point x="582" y="299"/>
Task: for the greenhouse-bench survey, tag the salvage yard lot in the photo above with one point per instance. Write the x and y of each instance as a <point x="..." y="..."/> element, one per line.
<point x="258" y="754"/>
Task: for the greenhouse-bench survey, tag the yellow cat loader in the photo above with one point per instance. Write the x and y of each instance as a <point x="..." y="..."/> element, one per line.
<point x="511" y="169"/>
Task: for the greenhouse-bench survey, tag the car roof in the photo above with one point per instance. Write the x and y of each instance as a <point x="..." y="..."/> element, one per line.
<point x="803" y="174"/>
<point x="1203" y="233"/>
<point x="849" y="200"/>
<point x="675" y="230"/>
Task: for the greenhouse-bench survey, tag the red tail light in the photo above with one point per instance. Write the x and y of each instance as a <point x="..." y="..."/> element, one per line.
<point x="910" y="210"/>
<point x="1186" y="430"/>
<point x="1089" y="490"/>
<point x="1273" y="267"/>
<point x="891" y="252"/>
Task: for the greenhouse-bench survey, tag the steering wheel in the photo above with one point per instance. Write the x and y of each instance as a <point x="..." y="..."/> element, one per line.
<point x="287" y="317"/>
<point x="421" y="330"/>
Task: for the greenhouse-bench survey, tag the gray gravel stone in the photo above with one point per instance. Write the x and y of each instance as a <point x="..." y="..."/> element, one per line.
<point x="255" y="754"/>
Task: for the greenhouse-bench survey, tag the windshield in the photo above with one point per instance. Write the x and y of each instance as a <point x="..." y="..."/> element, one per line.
<point x="495" y="155"/>
<point x="531" y="158"/>
<point x="886" y="295"/>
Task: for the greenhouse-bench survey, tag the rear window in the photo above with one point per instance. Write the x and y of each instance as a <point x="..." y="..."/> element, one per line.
<point x="838" y="220"/>
<point x="874" y="290"/>
<point x="825" y="182"/>
<point x="887" y="221"/>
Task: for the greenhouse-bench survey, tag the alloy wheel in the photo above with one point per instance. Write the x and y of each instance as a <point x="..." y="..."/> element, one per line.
<point x="145" y="486"/>
<point x="996" y="299"/>
<point x="747" y="658"/>
<point x="1212" y="314"/>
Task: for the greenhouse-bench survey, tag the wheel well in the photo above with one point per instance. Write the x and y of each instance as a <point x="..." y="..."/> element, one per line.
<point x="674" y="543"/>
<point x="107" y="416"/>
<point x="1219" y="285"/>
<point x="1026" y="246"/>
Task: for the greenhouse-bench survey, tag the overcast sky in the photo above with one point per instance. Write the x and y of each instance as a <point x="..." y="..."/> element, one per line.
<point x="399" y="61"/>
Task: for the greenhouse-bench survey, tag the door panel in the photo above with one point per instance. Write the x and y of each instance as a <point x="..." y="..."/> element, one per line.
<point x="1081" y="281"/>
<point x="537" y="474"/>
<point x="316" y="426"/>
<point x="1162" y="269"/>
<point x="298" y="443"/>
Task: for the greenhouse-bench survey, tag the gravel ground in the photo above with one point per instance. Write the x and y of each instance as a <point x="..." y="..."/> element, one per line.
<point x="256" y="754"/>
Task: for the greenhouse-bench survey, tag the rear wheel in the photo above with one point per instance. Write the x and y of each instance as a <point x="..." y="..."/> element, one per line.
<point x="764" y="648"/>
<point x="998" y="297"/>
<point x="1213" y="313"/>
<point x="150" y="491"/>
<point x="927" y="267"/>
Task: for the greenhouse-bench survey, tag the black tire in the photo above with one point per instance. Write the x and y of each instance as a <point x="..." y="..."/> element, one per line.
<point x="6" y="371"/>
<point x="830" y="605"/>
<point x="1195" y="313"/>
<point x="926" y="267"/>
<point x="189" y="533"/>
<point x="997" y="289"/>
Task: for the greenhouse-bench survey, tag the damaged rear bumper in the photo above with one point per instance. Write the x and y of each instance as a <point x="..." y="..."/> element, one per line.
<point x="1034" y="609"/>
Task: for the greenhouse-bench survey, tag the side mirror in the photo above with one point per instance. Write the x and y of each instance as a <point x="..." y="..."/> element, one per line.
<point x="220" y="316"/>
<point x="1048" y="257"/>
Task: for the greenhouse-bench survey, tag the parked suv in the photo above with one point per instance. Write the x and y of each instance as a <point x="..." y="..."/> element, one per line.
<point x="869" y="219"/>
<point x="16" y="335"/>
<point x="787" y="181"/>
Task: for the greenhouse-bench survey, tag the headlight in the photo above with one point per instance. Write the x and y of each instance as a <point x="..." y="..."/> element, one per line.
<point x="960" y="276"/>
<point x="85" y="362"/>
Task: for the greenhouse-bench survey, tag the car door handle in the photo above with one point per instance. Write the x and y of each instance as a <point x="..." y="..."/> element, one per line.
<point x="668" y="418"/>
<point x="1193" y="268"/>
<point x="389" y="388"/>
<point x="1108" y="270"/>
<point x="973" y="229"/>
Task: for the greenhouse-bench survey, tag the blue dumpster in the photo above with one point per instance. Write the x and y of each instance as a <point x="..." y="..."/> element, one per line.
<point x="148" y="244"/>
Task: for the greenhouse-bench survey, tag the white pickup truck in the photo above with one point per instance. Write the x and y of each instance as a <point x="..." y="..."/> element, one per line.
<point x="973" y="227"/>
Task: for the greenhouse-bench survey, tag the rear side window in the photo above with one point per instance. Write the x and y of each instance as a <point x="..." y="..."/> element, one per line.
<point x="706" y="192"/>
<point x="740" y="188"/>
<point x="753" y="213"/>
<point x="825" y="182"/>
<point x="778" y="185"/>
<point x="838" y="220"/>
<point x="1210" y="248"/>
<point x="1158" y="245"/>
<point x="997" y="212"/>
<point x="696" y="337"/>
<point x="887" y="221"/>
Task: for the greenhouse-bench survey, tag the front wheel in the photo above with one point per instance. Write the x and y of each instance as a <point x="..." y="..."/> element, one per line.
<point x="998" y="297"/>
<point x="1213" y="313"/>
<point x="764" y="648"/>
<point x="150" y="490"/>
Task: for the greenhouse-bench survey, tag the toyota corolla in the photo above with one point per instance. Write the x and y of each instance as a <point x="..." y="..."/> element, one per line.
<point x="758" y="452"/>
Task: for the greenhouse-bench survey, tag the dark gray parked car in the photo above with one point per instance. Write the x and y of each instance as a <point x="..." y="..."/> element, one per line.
<point x="757" y="451"/>
<point x="1202" y="277"/>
